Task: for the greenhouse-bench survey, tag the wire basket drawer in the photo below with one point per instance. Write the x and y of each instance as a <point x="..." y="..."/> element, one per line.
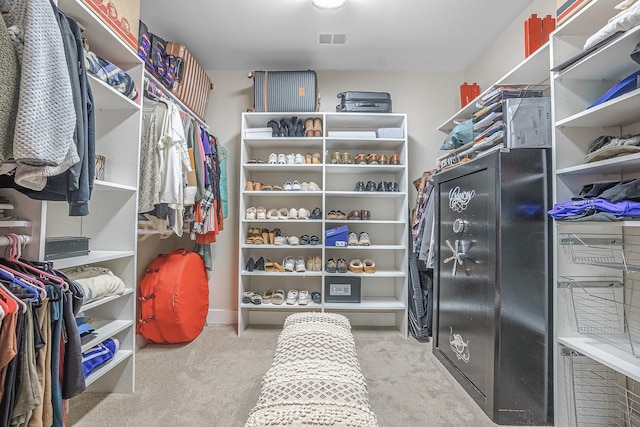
<point x="608" y="309"/>
<point x="610" y="251"/>
<point x="600" y="396"/>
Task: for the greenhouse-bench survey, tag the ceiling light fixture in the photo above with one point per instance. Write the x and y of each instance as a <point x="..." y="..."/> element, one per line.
<point x="328" y="4"/>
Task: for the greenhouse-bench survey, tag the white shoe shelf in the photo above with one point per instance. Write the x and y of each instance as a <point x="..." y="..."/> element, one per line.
<point x="383" y="299"/>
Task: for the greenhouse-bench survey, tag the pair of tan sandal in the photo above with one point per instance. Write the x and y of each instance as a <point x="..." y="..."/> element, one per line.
<point x="358" y="266"/>
<point x="274" y="297"/>
<point x="313" y="127"/>
<point x="312" y="159"/>
<point x="340" y="158"/>
<point x="273" y="266"/>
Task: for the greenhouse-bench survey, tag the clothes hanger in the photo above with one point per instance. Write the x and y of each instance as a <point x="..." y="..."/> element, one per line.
<point x="20" y="284"/>
<point x="30" y="279"/>
<point x="19" y="303"/>
<point x="14" y="255"/>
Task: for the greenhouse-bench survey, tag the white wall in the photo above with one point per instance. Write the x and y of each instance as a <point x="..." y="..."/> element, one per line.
<point x="428" y="100"/>
<point x="507" y="50"/>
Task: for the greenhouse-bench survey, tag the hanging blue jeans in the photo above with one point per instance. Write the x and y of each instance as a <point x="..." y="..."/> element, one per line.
<point x="55" y="303"/>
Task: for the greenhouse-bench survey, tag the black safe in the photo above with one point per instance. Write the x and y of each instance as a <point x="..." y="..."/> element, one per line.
<point x="493" y="283"/>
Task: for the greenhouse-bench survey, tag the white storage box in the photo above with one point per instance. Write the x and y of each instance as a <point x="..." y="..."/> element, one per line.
<point x="390" y="133"/>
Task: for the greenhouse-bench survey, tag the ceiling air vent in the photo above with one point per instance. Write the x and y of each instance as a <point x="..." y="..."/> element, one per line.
<point x="327" y="38"/>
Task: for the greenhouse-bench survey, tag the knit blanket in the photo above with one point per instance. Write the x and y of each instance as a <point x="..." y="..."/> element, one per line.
<point x="43" y="143"/>
<point x="315" y="377"/>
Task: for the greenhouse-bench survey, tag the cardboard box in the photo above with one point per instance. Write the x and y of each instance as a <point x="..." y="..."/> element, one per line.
<point x="342" y="289"/>
<point x="123" y="16"/>
<point x="336" y="236"/>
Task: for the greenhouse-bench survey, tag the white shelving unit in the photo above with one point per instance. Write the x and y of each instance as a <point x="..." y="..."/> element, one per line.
<point x="111" y="224"/>
<point x="384" y="293"/>
<point x="591" y="314"/>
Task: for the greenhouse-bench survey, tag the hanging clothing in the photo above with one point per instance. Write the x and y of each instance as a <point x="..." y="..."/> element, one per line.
<point x="224" y="196"/>
<point x="9" y="92"/>
<point x="74" y="183"/>
<point x="174" y="162"/>
<point x="45" y="123"/>
<point x="149" y="191"/>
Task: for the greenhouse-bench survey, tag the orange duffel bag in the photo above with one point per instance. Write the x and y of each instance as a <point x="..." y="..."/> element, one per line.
<point x="174" y="298"/>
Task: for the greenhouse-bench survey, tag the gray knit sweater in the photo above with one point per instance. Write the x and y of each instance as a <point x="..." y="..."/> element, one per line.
<point x="43" y="141"/>
<point x="9" y="91"/>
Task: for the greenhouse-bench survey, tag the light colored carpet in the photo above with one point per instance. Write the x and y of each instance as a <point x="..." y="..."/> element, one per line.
<point x="216" y="379"/>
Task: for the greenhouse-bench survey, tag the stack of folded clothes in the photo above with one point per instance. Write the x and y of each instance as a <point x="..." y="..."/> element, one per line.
<point x="110" y="74"/>
<point x="606" y="147"/>
<point x="602" y="201"/>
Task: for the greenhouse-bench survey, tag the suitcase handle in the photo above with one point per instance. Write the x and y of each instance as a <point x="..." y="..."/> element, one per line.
<point x="366" y="104"/>
<point x="179" y="70"/>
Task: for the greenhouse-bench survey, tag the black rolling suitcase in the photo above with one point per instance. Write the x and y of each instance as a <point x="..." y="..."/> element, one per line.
<point x="364" y="102"/>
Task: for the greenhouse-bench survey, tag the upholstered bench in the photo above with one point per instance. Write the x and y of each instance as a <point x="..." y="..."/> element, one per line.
<point x="315" y="377"/>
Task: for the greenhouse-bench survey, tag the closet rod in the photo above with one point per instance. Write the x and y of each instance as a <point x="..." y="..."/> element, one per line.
<point x="173" y="98"/>
<point x="24" y="239"/>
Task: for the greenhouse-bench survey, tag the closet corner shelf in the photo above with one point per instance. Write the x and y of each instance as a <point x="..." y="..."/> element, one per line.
<point x="112" y="186"/>
<point x="105" y="300"/>
<point x="587" y="20"/>
<point x="265" y="167"/>
<point x="370" y="247"/>
<point x="533" y="70"/>
<point x="618" y="111"/>
<point x="368" y="303"/>
<point x="614" y="54"/>
<point x="105" y="329"/>
<point x="102" y="38"/>
<point x="119" y="357"/>
<point x="364" y="222"/>
<point x="605" y="353"/>
<point x="91" y="258"/>
<point x="311" y="143"/>
<point x="108" y="98"/>
<point x="601" y="225"/>
<point x="283" y="306"/>
<point x="15" y="224"/>
<point x="616" y="165"/>
<point x="362" y="169"/>
<point x="366" y="194"/>
<point x="336" y="144"/>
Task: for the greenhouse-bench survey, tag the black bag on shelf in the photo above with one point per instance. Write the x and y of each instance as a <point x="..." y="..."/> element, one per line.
<point x="365" y="102"/>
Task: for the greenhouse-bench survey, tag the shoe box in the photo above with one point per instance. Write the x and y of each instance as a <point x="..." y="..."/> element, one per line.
<point x="336" y="236"/>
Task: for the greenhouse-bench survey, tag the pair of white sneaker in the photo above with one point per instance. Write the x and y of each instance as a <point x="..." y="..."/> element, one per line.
<point x="302" y="297"/>
<point x="293" y="186"/>
<point x="292" y="264"/>
<point x="286" y="159"/>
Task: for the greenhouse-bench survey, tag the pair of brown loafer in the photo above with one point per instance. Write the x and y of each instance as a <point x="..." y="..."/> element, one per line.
<point x="359" y="214"/>
<point x="375" y="159"/>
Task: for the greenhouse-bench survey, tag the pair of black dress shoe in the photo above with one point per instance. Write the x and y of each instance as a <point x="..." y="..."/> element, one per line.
<point x="372" y="186"/>
<point x="255" y="265"/>
<point x="292" y="127"/>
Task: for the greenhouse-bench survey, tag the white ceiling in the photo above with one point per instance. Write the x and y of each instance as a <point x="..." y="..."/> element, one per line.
<point x="382" y="35"/>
